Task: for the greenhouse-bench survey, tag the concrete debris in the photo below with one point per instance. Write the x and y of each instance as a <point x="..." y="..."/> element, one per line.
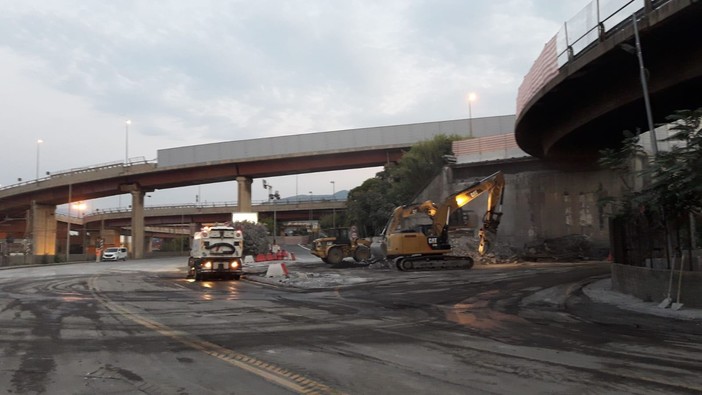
<point x="466" y="244"/>
<point x="561" y="249"/>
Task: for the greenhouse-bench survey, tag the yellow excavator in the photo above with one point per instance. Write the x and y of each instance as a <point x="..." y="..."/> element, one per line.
<point x="416" y="236"/>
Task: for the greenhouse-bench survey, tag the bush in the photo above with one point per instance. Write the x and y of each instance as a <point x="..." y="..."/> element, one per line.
<point x="255" y="237"/>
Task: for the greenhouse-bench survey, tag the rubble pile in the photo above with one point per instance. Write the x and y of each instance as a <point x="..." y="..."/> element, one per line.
<point x="566" y="248"/>
<point x="466" y="244"/>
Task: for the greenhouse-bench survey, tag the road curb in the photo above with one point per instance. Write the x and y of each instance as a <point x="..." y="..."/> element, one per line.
<point x="601" y="292"/>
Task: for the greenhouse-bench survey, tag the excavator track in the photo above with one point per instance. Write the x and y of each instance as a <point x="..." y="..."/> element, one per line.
<point x="433" y="262"/>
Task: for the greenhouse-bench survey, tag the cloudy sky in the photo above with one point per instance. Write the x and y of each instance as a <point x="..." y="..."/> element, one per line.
<point x="194" y="72"/>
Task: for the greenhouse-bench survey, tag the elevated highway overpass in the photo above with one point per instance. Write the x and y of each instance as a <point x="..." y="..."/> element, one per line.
<point x="289" y="210"/>
<point x="174" y="220"/>
<point x="585" y="87"/>
<point x="243" y="161"/>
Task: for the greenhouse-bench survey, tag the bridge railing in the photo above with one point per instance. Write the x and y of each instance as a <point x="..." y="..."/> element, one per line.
<point x="592" y="24"/>
<point x="203" y="205"/>
<point x="132" y="161"/>
<point x="78" y="170"/>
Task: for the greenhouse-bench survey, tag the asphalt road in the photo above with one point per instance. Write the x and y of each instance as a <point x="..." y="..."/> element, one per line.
<point x="141" y="327"/>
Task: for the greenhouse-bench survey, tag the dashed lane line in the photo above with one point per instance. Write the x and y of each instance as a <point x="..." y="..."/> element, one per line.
<point x="268" y="371"/>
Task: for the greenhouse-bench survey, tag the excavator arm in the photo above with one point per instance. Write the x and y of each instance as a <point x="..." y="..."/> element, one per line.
<point x="416" y="236"/>
<point x="494" y="184"/>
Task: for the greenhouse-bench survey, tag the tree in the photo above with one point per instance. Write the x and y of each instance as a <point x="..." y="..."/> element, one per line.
<point x="673" y="191"/>
<point x="677" y="174"/>
<point x="255" y="237"/>
<point x="370" y="205"/>
<point x="337" y="219"/>
<point x="621" y="161"/>
<point x="180" y="243"/>
<point x="417" y="168"/>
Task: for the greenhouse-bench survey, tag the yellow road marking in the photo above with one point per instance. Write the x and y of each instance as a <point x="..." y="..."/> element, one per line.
<point x="272" y="373"/>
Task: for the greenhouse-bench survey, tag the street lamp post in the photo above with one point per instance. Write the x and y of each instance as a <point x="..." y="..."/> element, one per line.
<point x="333" y="208"/>
<point x="182" y="226"/>
<point x="126" y="141"/>
<point x="644" y="87"/>
<point x="39" y="141"/>
<point x="68" y="224"/>
<point x="470" y="99"/>
<point x="272" y="197"/>
<point x="310" y="208"/>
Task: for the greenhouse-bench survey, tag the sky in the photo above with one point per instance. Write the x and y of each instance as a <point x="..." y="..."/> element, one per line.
<point x="194" y="72"/>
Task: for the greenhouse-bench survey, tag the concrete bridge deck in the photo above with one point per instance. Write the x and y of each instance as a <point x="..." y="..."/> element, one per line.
<point x="572" y="104"/>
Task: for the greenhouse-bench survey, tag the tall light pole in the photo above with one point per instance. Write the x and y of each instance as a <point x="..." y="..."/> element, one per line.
<point x="126" y="141"/>
<point x="272" y="197"/>
<point x="68" y="224"/>
<point x="470" y="98"/>
<point x="81" y="206"/>
<point x="39" y="141"/>
<point x="333" y="208"/>
<point x="644" y="87"/>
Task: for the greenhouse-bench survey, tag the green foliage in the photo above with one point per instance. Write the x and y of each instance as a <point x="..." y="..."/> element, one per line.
<point x="417" y="168"/>
<point x="330" y="221"/>
<point x="176" y="244"/>
<point x="370" y="205"/>
<point x="255" y="237"/>
<point x="620" y="160"/>
<point x="675" y="176"/>
<point x="267" y="222"/>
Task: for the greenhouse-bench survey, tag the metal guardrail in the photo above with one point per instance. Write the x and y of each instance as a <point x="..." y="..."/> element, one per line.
<point x="594" y="22"/>
<point x="79" y="170"/>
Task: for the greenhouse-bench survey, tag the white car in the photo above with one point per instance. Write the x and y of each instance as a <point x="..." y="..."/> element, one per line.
<point x="114" y="254"/>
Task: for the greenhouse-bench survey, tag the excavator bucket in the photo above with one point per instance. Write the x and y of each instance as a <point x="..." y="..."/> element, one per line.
<point x="379" y="249"/>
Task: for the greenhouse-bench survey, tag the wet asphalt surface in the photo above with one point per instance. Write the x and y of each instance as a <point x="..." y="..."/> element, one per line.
<point x="141" y="327"/>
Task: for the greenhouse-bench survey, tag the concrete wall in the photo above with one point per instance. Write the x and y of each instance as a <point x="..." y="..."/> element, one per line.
<point x="544" y="204"/>
<point x="652" y="284"/>
<point x="550" y="204"/>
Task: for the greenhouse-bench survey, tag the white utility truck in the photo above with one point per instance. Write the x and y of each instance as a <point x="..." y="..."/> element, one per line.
<point x="216" y="252"/>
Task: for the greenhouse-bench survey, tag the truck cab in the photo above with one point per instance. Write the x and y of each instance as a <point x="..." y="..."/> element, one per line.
<point x="216" y="253"/>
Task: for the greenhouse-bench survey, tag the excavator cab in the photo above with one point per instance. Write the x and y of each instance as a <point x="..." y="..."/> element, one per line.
<point x="417" y="235"/>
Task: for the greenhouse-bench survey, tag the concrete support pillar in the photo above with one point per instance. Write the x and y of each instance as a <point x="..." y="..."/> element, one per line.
<point x="244" y="194"/>
<point x="137" y="218"/>
<point x="138" y="224"/>
<point x="43" y="228"/>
